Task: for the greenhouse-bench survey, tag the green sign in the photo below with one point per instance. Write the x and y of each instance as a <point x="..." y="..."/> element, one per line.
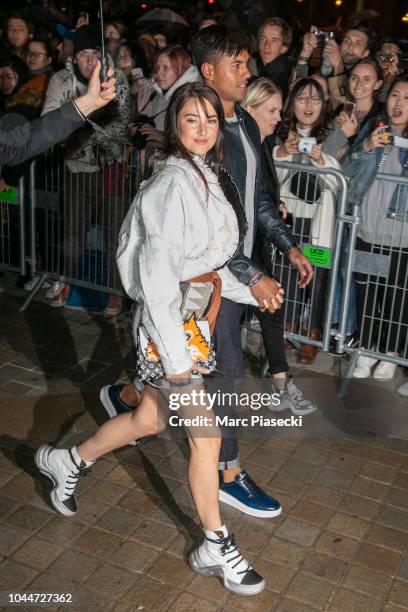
<point x="319" y="256"/>
<point x="9" y="196"/>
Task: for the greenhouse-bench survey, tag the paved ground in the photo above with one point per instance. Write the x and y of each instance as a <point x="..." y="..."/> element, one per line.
<point x="340" y="545"/>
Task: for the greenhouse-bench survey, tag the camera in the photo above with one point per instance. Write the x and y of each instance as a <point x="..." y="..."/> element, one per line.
<point x="385" y="57"/>
<point x="306" y="145"/>
<point x="323" y="37"/>
<point x="139" y="140"/>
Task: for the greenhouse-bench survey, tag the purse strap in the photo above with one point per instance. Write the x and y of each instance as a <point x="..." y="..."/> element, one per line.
<point x="215" y="300"/>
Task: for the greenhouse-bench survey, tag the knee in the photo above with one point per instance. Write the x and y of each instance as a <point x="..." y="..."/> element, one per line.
<point x="206" y="447"/>
<point x="144" y="428"/>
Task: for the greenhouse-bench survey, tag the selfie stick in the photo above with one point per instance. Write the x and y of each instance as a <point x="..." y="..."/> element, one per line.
<point x="104" y="62"/>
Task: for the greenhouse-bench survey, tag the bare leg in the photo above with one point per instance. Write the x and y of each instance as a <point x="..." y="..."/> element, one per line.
<point x="119" y="431"/>
<point x="203" y="479"/>
<point x="130" y="395"/>
<point x="229" y="474"/>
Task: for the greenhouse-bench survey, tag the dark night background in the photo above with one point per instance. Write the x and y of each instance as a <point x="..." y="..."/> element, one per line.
<point x="248" y="12"/>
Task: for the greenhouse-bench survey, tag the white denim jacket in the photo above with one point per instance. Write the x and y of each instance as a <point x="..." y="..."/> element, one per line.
<point x="174" y="231"/>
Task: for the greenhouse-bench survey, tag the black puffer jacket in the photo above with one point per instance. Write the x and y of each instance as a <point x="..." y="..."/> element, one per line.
<point x="267" y="219"/>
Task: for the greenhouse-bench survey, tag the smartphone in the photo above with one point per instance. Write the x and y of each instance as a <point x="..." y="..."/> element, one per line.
<point x="349" y="107"/>
<point x="84" y="15"/>
<point x="384" y="124"/>
<point x="137" y="73"/>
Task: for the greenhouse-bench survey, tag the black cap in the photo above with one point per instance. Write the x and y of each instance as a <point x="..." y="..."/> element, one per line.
<point x="87" y="37"/>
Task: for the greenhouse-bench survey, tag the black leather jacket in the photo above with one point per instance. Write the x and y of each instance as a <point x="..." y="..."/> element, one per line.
<point x="267" y="219"/>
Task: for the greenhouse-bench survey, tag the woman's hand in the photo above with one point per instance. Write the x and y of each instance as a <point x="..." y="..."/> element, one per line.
<point x="316" y="154"/>
<point x="379" y="138"/>
<point x="289" y="147"/>
<point x="348" y="125"/>
<point x="185" y="376"/>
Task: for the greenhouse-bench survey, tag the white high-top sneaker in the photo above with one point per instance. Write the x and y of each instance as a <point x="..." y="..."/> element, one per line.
<point x="219" y="556"/>
<point x="363" y="367"/>
<point x="63" y="467"/>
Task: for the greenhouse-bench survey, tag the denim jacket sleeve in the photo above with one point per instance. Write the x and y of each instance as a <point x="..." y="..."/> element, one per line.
<point x="357" y="157"/>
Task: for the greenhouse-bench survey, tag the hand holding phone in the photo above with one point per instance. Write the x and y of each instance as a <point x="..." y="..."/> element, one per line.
<point x="349" y="108"/>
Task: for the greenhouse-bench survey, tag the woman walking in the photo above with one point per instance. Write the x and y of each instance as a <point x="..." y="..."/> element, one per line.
<point x="180" y="226"/>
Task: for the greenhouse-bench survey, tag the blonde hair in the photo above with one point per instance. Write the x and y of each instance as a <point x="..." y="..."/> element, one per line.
<point x="259" y="91"/>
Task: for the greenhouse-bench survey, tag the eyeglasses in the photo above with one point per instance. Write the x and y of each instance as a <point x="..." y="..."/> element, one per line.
<point x="305" y="99"/>
<point x="35" y="54"/>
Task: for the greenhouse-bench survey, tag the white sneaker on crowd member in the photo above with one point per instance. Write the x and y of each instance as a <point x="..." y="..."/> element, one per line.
<point x="219" y="556"/>
<point x="29" y="285"/>
<point x="403" y="389"/>
<point x="291" y="398"/>
<point x="55" y="289"/>
<point x="63" y="467"/>
<point x="363" y="367"/>
<point x="386" y="369"/>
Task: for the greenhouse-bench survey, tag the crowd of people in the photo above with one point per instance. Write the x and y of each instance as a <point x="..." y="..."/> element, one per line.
<point x="210" y="119"/>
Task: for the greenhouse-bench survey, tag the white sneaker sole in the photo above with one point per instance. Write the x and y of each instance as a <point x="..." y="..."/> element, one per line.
<point x="218" y="570"/>
<point x="361" y="374"/>
<point x="110" y="408"/>
<point x="225" y="498"/>
<point x="304" y="412"/>
<point x="41" y="462"/>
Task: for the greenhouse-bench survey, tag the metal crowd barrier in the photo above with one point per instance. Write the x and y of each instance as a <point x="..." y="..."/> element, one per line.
<point x="379" y="269"/>
<point x="13" y="229"/>
<point x="77" y="207"/>
<point x="78" y="203"/>
<point x="317" y="197"/>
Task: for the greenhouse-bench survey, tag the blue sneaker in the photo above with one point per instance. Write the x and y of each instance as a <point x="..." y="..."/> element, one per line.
<point x="245" y="495"/>
<point x="113" y="405"/>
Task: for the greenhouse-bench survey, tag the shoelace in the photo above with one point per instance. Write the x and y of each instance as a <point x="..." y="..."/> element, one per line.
<point x="250" y="486"/>
<point x="72" y="478"/>
<point x="229" y="547"/>
<point x="298" y="396"/>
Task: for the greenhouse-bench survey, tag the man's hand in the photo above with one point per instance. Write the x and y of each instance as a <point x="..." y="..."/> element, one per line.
<point x="303" y="266"/>
<point x="310" y="43"/>
<point x="332" y="52"/>
<point x="98" y="94"/>
<point x="390" y="71"/>
<point x="268" y="293"/>
<point x="151" y="133"/>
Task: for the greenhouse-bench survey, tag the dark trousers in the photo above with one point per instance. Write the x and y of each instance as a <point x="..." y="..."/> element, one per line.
<point x="230" y="369"/>
<point x="273" y="338"/>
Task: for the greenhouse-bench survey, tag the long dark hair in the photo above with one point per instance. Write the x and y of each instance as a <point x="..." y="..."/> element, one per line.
<point x="172" y="144"/>
<point x="320" y="129"/>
